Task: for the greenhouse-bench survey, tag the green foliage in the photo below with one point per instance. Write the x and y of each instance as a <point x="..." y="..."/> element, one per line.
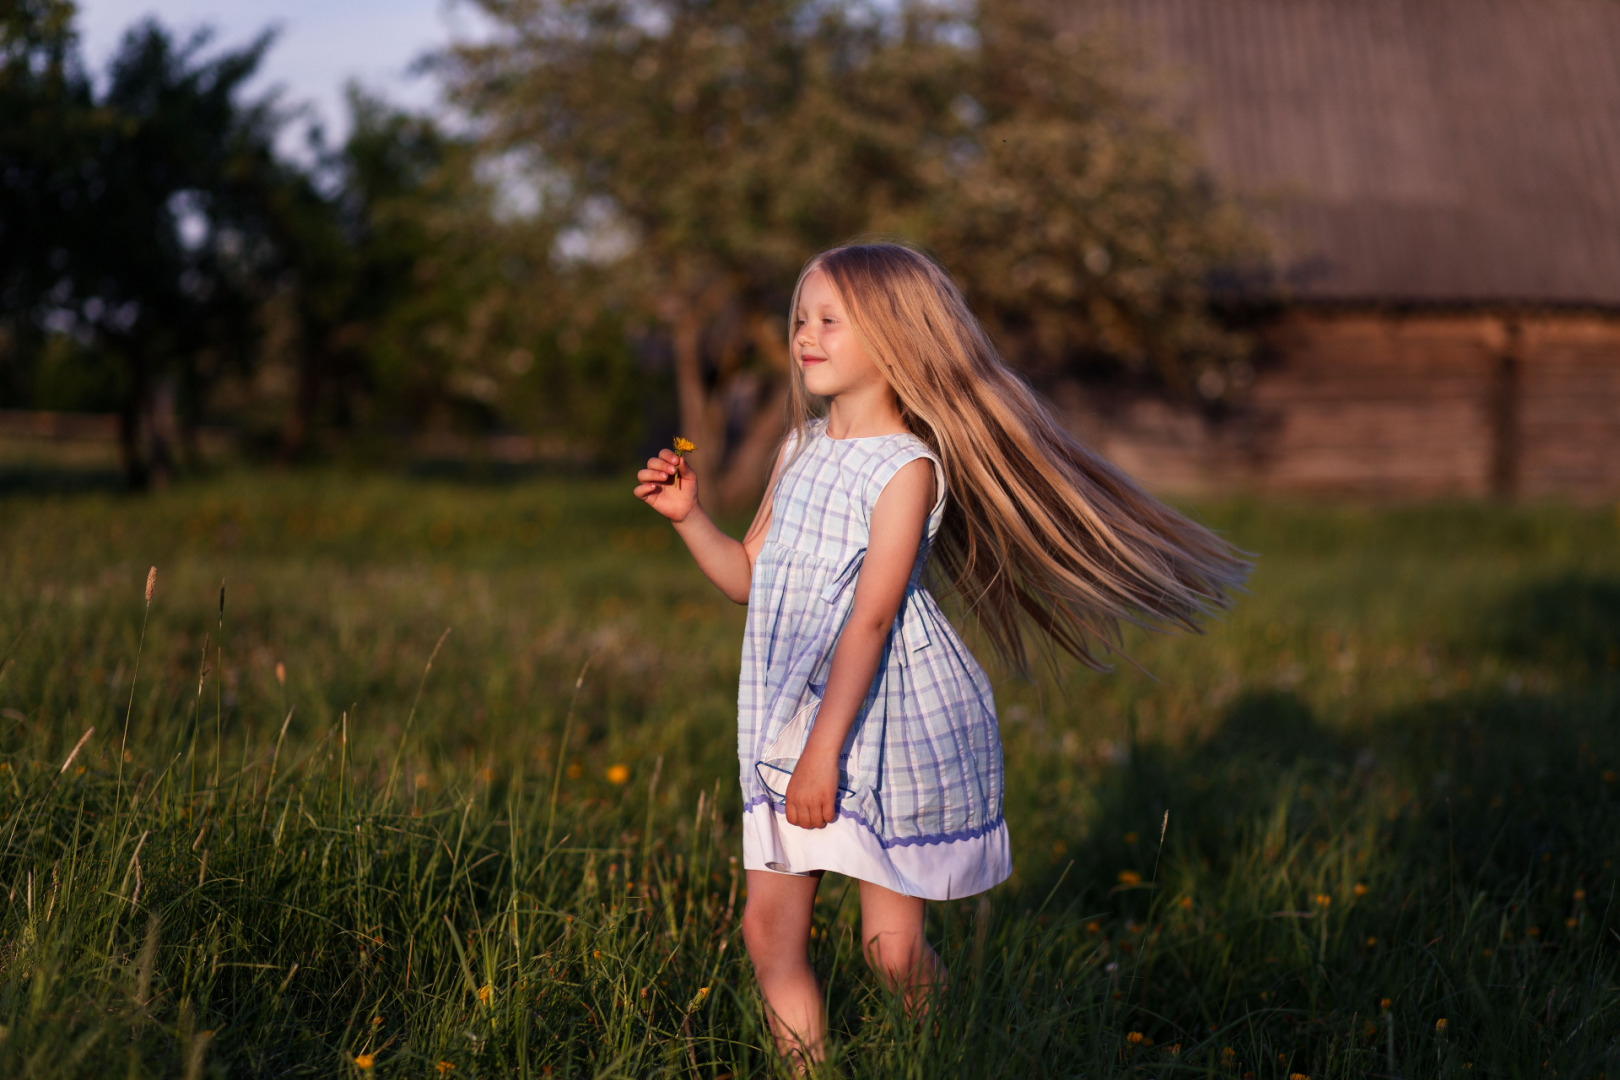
<point x="694" y="154"/>
<point x="1395" y="721"/>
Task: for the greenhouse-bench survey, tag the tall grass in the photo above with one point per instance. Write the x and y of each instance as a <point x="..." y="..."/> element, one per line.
<point x="1389" y="778"/>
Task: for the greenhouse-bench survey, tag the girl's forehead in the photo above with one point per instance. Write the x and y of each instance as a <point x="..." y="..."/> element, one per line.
<point x="817" y="289"/>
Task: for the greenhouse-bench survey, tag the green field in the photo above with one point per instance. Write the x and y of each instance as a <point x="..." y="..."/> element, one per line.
<point x="1390" y="777"/>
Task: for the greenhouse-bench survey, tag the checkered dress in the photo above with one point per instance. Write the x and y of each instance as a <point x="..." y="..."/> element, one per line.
<point x="923" y="759"/>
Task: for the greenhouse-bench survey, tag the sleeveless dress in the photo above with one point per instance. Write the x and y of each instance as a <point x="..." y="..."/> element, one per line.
<point x="919" y="805"/>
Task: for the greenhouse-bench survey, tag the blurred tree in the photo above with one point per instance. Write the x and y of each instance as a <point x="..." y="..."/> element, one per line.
<point x="411" y="301"/>
<point x="135" y="224"/>
<point x="48" y="126"/>
<point x="692" y="153"/>
<point x="1077" y="217"/>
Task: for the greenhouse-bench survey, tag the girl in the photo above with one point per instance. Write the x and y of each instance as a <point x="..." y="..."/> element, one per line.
<point x="866" y="730"/>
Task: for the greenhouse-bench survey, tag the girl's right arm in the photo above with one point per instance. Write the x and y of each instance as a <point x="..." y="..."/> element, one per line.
<point x="726" y="562"/>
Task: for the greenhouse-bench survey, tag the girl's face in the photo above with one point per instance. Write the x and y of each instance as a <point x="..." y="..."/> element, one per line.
<point x="825" y="346"/>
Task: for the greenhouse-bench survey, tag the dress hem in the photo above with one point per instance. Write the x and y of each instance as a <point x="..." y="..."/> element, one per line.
<point x="943" y="869"/>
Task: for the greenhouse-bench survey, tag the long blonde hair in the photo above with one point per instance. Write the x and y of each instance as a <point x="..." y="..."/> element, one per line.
<point x="1037" y="526"/>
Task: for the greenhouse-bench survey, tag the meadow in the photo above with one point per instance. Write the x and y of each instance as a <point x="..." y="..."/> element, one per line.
<point x="442" y="781"/>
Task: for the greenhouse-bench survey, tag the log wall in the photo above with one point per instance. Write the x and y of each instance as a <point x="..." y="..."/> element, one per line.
<point x="1380" y="404"/>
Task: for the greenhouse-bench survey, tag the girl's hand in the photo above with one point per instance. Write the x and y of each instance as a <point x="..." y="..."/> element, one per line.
<point x="657" y="488"/>
<point x="812" y="794"/>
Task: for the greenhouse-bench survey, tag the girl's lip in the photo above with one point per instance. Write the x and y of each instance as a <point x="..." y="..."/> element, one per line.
<point x="812" y="359"/>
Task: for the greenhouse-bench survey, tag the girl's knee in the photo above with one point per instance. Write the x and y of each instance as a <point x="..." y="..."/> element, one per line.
<point x="770" y="933"/>
<point x="758" y="928"/>
<point x="895" y="955"/>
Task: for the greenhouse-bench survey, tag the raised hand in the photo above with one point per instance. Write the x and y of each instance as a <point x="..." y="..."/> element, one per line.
<point x="658" y="489"/>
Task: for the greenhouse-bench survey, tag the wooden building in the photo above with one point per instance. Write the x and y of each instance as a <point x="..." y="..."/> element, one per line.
<point x="1441" y="182"/>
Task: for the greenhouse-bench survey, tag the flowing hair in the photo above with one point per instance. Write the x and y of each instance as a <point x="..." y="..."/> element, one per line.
<point x="1037" y="526"/>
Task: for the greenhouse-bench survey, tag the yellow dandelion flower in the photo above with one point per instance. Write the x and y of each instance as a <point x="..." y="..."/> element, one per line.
<point x="364" y="1062"/>
<point x="1323" y="899"/>
<point x="1298" y="1076"/>
<point x="485" y="993"/>
<point x="618" y="774"/>
<point x="1440" y="1025"/>
<point x="1384" y="1003"/>
<point x="1136" y="1038"/>
<point x="1129" y="877"/>
<point x="683" y="446"/>
<point x="444" y="1068"/>
<point x="1360" y="890"/>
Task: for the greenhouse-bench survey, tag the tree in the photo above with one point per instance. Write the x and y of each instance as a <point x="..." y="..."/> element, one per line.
<point x="46" y="147"/>
<point x="136" y="222"/>
<point x="696" y="152"/>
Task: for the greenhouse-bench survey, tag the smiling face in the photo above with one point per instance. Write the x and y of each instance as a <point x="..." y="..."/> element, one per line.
<point x="825" y="346"/>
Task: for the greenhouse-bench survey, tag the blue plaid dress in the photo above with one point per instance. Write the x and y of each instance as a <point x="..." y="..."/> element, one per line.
<point x="920" y="807"/>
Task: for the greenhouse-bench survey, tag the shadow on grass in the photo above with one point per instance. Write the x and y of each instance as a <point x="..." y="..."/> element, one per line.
<point x="1571" y="620"/>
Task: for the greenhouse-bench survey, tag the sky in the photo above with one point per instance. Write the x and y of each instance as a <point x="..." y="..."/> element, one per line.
<point x="322" y="44"/>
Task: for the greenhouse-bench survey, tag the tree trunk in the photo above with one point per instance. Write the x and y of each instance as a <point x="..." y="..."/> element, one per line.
<point x="130" y="415"/>
<point x="749" y="465"/>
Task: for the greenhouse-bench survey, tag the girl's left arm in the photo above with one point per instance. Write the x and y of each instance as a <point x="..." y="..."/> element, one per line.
<point x="894" y="535"/>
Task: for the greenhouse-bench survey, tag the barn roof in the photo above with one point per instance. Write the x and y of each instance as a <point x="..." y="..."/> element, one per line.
<point x="1427" y="151"/>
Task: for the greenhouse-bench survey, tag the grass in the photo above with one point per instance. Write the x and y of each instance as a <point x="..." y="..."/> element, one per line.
<point x="1389" y="777"/>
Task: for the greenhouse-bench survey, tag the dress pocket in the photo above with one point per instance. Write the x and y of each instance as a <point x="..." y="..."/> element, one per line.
<point x="775" y="766"/>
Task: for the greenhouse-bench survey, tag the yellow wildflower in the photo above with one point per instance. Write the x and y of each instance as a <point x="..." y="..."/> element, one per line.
<point x="1323" y="899"/>
<point x="364" y="1062"/>
<point x="683" y="446"/>
<point x="1136" y="1038"/>
<point x="618" y="774"/>
<point x="1360" y="890"/>
<point x="1440" y="1025"/>
<point x="1129" y="877"/>
<point x="485" y="992"/>
<point x="444" y="1068"/>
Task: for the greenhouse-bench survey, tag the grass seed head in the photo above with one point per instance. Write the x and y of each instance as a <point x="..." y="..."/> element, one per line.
<point x="151" y="583"/>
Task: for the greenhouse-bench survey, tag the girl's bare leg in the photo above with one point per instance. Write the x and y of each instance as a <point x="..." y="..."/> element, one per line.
<point x="892" y="934"/>
<point x="776" y="929"/>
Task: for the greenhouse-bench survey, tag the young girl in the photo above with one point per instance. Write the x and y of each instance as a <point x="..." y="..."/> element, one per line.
<point x="866" y="730"/>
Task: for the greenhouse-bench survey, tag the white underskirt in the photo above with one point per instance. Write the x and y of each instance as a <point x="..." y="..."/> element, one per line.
<point x="941" y="870"/>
